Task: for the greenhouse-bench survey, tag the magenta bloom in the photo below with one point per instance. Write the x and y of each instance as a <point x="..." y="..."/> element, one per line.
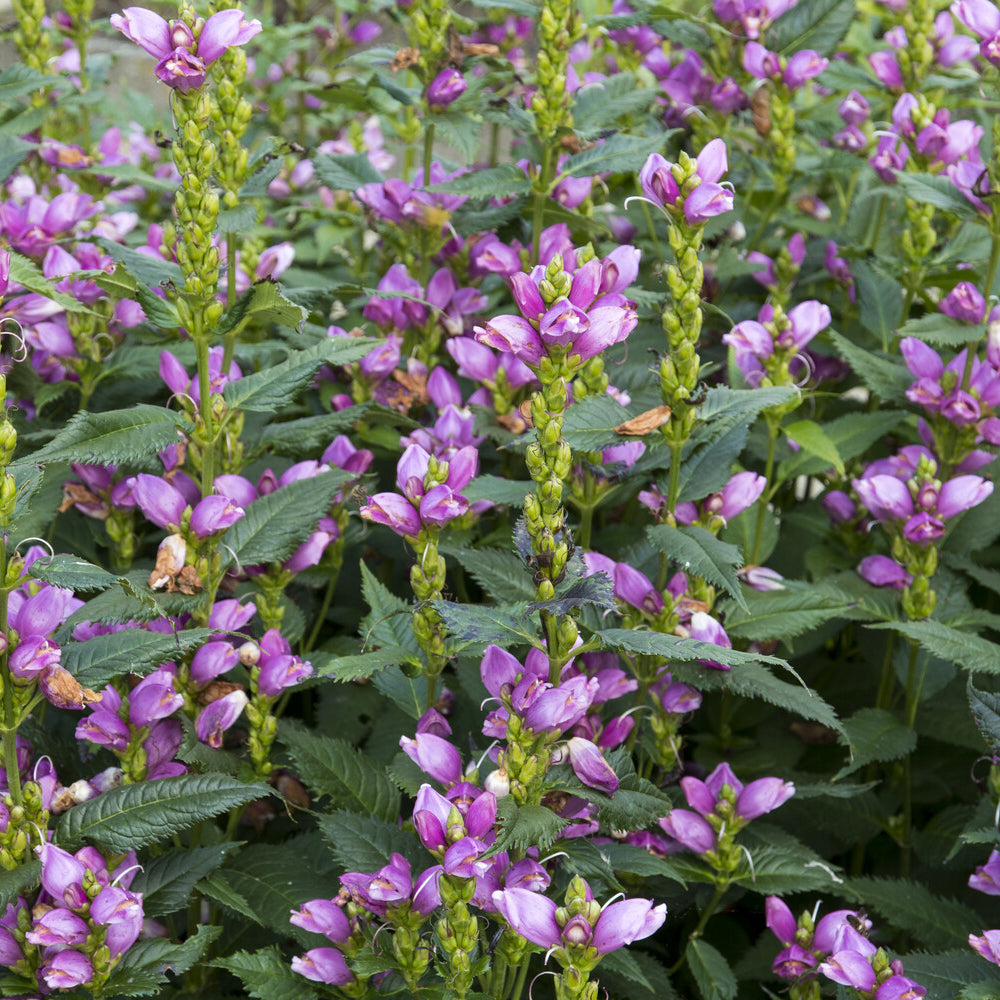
<point x="218" y="716"/>
<point x="983" y="19"/>
<point x="986" y="878"/>
<point x="323" y="965"/>
<point x="446" y="88"/>
<point x="988" y="945"/>
<point x="435" y="755"/>
<point x="181" y="62"/>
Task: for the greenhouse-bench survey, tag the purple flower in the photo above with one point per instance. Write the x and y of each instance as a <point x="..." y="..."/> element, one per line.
<point x="58" y="927"/>
<point x="218" y="716"/>
<point x="62" y="876"/>
<point x="763" y="796"/>
<point x="590" y="767"/>
<point x="278" y="673"/>
<point x="689" y="829"/>
<point x="988" y="945"/>
<point x="121" y="913"/>
<point x="986" y="878"/>
<point x="66" y="970"/>
<point x="881" y="571"/>
<point x="657" y="181"/>
<point x="214" y="514"/>
<point x="323" y="916"/>
<point x="435" y="756"/>
<point x="850" y="969"/>
<point x="964" y="302"/>
<point x="530" y="914"/>
<point x="983" y="19"/>
<point x="161" y="502"/>
<point x="323" y="965"/>
<point x="802" y="67"/>
<point x="445" y="88"/>
<point x="154" y="698"/>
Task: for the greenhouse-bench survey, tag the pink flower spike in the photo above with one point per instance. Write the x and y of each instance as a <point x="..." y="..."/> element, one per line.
<point x="148" y="30"/>
<point x="222" y="31"/>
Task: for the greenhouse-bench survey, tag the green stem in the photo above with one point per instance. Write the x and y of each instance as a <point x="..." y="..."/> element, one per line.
<point x="541" y="197"/>
<point x="772" y="440"/>
<point x="912" y="699"/>
<point x="431" y="690"/>
<point x="522" y="975"/>
<point x="331" y="586"/>
<point x="884" y="696"/>
<point x="428" y="152"/>
<point x="706" y="915"/>
<point x="9" y="721"/>
<point x="674" y="487"/>
<point x="205" y="408"/>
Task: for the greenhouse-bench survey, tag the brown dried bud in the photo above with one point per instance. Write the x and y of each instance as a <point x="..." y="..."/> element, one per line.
<point x="404" y="59"/>
<point x="292" y="790"/>
<point x="188" y="581"/>
<point x="645" y="422"/>
<point x="216" y="690"/>
<point x="170" y="558"/>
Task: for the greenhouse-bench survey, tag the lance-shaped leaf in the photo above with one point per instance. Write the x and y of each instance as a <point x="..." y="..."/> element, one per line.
<point x="710" y="970"/>
<point x="25" y="272"/>
<point x="333" y="767"/>
<point x="621" y="154"/>
<point x="365" y="843"/>
<point x="682" y="650"/>
<point x="519" y="828"/>
<point x="310" y="435"/>
<point x="699" y="552"/>
<point x="985" y="707"/>
<point x="112" y="438"/>
<point x="501" y="573"/>
<point x="132" y="816"/>
<point x="873" y="734"/>
<point x="496" y="182"/>
<point x="123" y="285"/>
<point x="886" y="377"/>
<point x="811" y="437"/>
<point x="813" y="24"/>
<point x="357" y="665"/>
<point x="261" y="303"/>
<point x="166" y="881"/>
<point x="483" y="625"/>
<point x="266" y="975"/>
<point x="72" y="572"/>
<point x="970" y="651"/>
<point x="931" y="189"/>
<point x="101" y="659"/>
<point x="346" y="171"/>
<point x="149" y="270"/>
<point x="273" y="388"/>
<point x="506" y="491"/>
<point x="945" y="331"/>
<point x="277" y="523"/>
<point x="15" y="881"/>
<point x="389" y="621"/>
<point x="143" y="968"/>
<point x="783" y="614"/>
<point x="596" y="590"/>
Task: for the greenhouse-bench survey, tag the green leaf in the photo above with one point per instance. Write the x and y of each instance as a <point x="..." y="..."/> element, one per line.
<point x="887" y="378"/>
<point x="633" y="860"/>
<point x="502" y="574"/>
<point x="810" y="436"/>
<point x="167" y="881"/>
<point x="596" y="589"/>
<point x="726" y="408"/>
<point x="984" y="990"/>
<point x="15" y="152"/>
<point x="15" y="881"/>
<point x="143" y="968"/>
<point x="309" y="435"/>
<point x="710" y="970"/>
<point x="130" y="173"/>
<point x="985" y="707"/>
<point x="944" y="974"/>
<point x="936" y="328"/>
<point x="601" y="105"/>
<point x="346" y="171"/>
<point x="135" y="815"/>
<point x="782" y="614"/>
<point x="813" y="24"/>
<point x="636" y="804"/>
<point x="681" y="650"/>
<point x="970" y="651"/>
<point x="149" y="270"/>
<point x="590" y="424"/>
<point x="216" y="887"/>
<point x="479" y="624"/>
<point x="707" y="469"/>
<point x="780" y="865"/>
<point x="496" y="182"/>
<point x="365" y="843"/>
<point x="266" y="975"/>
<point x="276" y="524"/>
<point x="389" y="623"/>
<point x="873" y="734"/>
<point x="933" y="921"/>
<point x="17" y="80"/>
<point x="123" y="285"/>
<point x="519" y="828"/>
<point x="99" y="660"/>
<point x="977" y="528"/>
<point x="112" y="438"/>
<point x="699" y="552"/>
<point x="623" y="963"/>
<point x="357" y="665"/>
<point x="506" y="491"/>
<point x="262" y="303"/>
<point x="72" y="572"/>
<point x="277" y="878"/>
<point x="25" y="272"/>
<point x="621" y="154"/>
<point x="274" y="388"/>
<point x="930" y="189"/>
<point x="333" y="767"/>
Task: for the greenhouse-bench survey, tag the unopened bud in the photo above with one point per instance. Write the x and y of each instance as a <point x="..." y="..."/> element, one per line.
<point x="249" y="654"/>
<point x="498" y="782"/>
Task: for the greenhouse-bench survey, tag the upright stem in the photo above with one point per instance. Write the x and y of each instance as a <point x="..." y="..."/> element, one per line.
<point x="205" y="409"/>
<point x="912" y="698"/>
<point x="541" y="197"/>
<point x="772" y="439"/>
<point x="428" y="152"/>
<point x="9" y="722"/>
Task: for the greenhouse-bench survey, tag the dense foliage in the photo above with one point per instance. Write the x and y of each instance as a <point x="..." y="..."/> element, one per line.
<point x="487" y="485"/>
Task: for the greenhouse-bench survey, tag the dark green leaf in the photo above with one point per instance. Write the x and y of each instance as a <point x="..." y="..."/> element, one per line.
<point x="14" y="882"/>
<point x="873" y="734"/>
<point x="309" y="435"/>
<point x="506" y="491"/>
<point x="346" y="171"/>
<point x="15" y="152"/>
<point x="601" y="105"/>
<point x="813" y="24"/>
<point x="969" y="651"/>
<point x="782" y="614"/>
<point x="123" y="285"/>
<point x="699" y="552"/>
<point x="72" y="572"/>
<point x="812" y="438"/>
<point x="933" y="921"/>
<point x="708" y="467"/>
<point x="496" y="182"/>
<point x="726" y="408"/>
<point x="166" y="881"/>
<point x="632" y="860"/>
<point x="524" y="827"/>
<point x="778" y="864"/>
<point x="596" y="590"/>
<point x="887" y="378"/>
<point x="261" y="304"/>
<point x="390" y="621"/>
<point x="357" y="665"/>
<point x="333" y="767"/>
<point x="25" y="272"/>
<point x="112" y="438"/>
<point x="710" y="970"/>
<point x="590" y="424"/>
<point x="622" y="154"/>
<point x="99" y="660"/>
<point x="149" y="270"/>
<point x="936" y="328"/>
<point x="943" y="974"/>
<point x="364" y="843"/>
<point x="143" y="968"/>
<point x="135" y="815"/>
<point x="18" y="79"/>
<point x="931" y="189"/>
<point x="502" y="574"/>
<point x="503" y="626"/>
<point x="276" y="524"/>
<point x="985" y="707"/>
<point x="673" y="647"/>
<point x="266" y="975"/>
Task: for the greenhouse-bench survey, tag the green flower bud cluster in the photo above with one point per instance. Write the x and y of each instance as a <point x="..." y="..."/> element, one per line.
<point x="919" y="236"/>
<point x="429" y="21"/>
<point x="917" y="56"/>
<point x="781" y="137"/>
<point x="412" y="955"/>
<point x="458" y="932"/>
<point x="8" y="443"/>
<point x="577" y="960"/>
<point x="559" y="26"/>
<point x="25" y="827"/>
<point x="231" y="113"/>
<point x="31" y="38"/>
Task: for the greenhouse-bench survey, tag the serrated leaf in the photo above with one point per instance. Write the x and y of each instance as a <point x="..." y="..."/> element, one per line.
<point x="13" y="882"/>
<point x="277" y="878"/>
<point x="623" y="963"/>
<point x="500" y="491"/>
<point x="99" y="660"/>
<point x="810" y="436"/>
<point x="633" y="860"/>
<point x="271" y="389"/>
<point x="946" y="331"/>
<point x="364" y="843"/>
<point x="495" y="182"/>
<point x="707" y="469"/>
<point x="601" y="105"/>
<point x="143" y="968"/>
<point x="166" y="881"/>
<point x="987" y="989"/>
<point x="18" y="79"/>
<point x="887" y="378"/>
<point x="132" y="816"/>
<point x="934" y="921"/>
<point x="930" y="189"/>
<point x="72" y="572"/>
<point x="479" y="624"/>
<point x="333" y="767"/>
<point x="519" y="828"/>
<point x="390" y="621"/>
<point x="710" y="970"/>
<point x="681" y="650"/>
<point x="782" y="614"/>
<point x="623" y="154"/>
<point x="944" y="973"/>
<point x="596" y="590"/>
<point x="309" y="435"/>
<point x="277" y="523"/>
<point x="125" y="286"/>
<point x="813" y="24"/>
<point x="149" y="270"/>
<point x="239" y="219"/>
<point x="25" y="272"/>
<point x="266" y="975"/>
<point x="699" y="552"/>
<point x="502" y="574"/>
<point x="131" y="173"/>
<point x="590" y="424"/>
<point x="874" y="734"/>
<point x="112" y="438"/>
<point x="985" y="707"/>
<point x="262" y="303"/>
<point x="216" y="887"/>
<point x="977" y="528"/>
<point x="346" y="171"/>
<point x="15" y="152"/>
<point x="780" y="865"/>
<point x="357" y="665"/>
<point x="949" y="644"/>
